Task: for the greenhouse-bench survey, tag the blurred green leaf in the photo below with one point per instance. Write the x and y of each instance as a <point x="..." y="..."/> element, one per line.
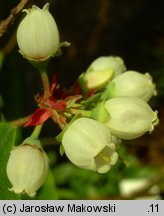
<point x="65" y="193"/>
<point x="7" y="141"/>
<point x="85" y="184"/>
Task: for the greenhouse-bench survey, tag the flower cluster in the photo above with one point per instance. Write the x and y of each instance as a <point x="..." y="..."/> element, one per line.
<point x="107" y="104"/>
<point x="119" y="109"/>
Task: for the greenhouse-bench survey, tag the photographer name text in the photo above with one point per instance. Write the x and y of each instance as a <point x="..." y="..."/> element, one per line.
<point x="68" y="208"/>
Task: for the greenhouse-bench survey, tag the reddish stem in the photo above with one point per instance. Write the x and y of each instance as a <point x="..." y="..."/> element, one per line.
<point x="46" y="84"/>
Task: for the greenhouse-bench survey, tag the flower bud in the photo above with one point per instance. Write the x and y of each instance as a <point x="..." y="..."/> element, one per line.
<point x="130" y="117"/>
<point x="100" y="72"/>
<point x="27" y="169"/>
<point x="95" y="79"/>
<point x="37" y="35"/>
<point x="108" y="62"/>
<point x="132" y="84"/>
<point x="88" y="144"/>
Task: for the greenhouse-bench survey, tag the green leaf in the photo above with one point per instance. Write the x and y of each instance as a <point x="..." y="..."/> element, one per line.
<point x="7" y="141"/>
<point x="67" y="194"/>
<point x="71" y="102"/>
<point x="94" y="99"/>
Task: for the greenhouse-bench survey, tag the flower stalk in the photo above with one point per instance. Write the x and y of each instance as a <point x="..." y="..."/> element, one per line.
<point x="36" y="132"/>
<point x="56" y="117"/>
<point x="46" y="84"/>
<point x="84" y="113"/>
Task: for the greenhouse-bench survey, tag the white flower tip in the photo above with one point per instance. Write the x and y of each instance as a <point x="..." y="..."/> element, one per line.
<point x="22" y="191"/>
<point x="156" y="119"/>
<point x="155" y="90"/>
<point x="155" y="122"/>
<point x="30" y="193"/>
<point x="26" y="11"/>
<point x="65" y="44"/>
<point x="34" y="7"/>
<point x="104" y="169"/>
<point x="149" y="78"/>
<point x="114" y="158"/>
<point x="46" y="6"/>
<point x="106" y="158"/>
<point x="17" y="190"/>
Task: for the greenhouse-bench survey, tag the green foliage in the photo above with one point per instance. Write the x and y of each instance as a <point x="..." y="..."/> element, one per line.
<point x="131" y="167"/>
<point x="7" y="141"/>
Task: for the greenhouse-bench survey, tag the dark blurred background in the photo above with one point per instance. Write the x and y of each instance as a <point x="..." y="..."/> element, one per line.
<point x="131" y="29"/>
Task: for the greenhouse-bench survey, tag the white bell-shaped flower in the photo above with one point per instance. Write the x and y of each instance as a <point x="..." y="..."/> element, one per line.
<point x="27" y="169"/>
<point x="132" y="84"/>
<point x="100" y="72"/>
<point x="108" y="62"/>
<point x="37" y="35"/>
<point x="88" y="145"/>
<point x="129" y="117"/>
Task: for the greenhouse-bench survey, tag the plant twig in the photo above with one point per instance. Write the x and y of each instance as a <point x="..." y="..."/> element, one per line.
<point x="36" y="132"/>
<point x="20" y="121"/>
<point x="4" y="24"/>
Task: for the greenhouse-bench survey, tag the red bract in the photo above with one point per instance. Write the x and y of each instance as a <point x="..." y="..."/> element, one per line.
<point x="39" y="117"/>
<point x="59" y="105"/>
<point x="59" y="99"/>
